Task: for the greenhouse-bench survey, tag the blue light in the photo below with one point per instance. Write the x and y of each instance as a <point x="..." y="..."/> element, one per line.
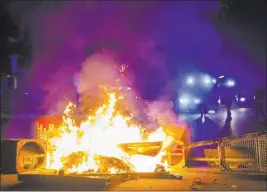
<point x="184" y="101"/>
<point x="230" y="83"/>
<point x="207" y="80"/>
<point x="211" y="111"/>
<point x="196" y="101"/>
<point x="242" y="99"/>
<point x="190" y="80"/>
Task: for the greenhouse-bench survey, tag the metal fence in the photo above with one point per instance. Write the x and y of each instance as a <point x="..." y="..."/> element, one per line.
<point x="240" y="154"/>
<point x="262" y="150"/>
<point x="247" y="153"/>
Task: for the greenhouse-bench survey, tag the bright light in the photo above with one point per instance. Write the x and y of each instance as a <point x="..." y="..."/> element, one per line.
<point x="230" y="83"/>
<point x="207" y="80"/>
<point x="219" y="101"/>
<point x="243" y="109"/>
<point x="221" y="77"/>
<point x="190" y="80"/>
<point x="184" y="101"/>
<point x="203" y="119"/>
<point x="242" y="99"/>
<point x="214" y="81"/>
<point x="211" y="111"/>
<point x="196" y="101"/>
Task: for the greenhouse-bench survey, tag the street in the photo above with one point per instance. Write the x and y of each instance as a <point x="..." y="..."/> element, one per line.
<point x="210" y="180"/>
<point x="242" y="122"/>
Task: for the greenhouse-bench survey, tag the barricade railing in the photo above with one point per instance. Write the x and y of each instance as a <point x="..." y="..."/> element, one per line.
<point x="262" y="152"/>
<point x="241" y="155"/>
<point x="245" y="153"/>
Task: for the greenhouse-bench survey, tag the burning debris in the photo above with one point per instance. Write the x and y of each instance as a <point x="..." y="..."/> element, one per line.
<point x="96" y="143"/>
<point x="103" y="135"/>
<point x="109" y="165"/>
<point x="74" y="159"/>
<point x="160" y="169"/>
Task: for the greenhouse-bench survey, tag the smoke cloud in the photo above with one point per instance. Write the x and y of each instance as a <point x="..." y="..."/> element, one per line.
<point x="155" y="40"/>
<point x="162" y="111"/>
<point x="99" y="71"/>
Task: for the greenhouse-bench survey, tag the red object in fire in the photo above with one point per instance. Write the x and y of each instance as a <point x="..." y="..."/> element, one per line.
<point x="179" y="149"/>
<point x="46" y="123"/>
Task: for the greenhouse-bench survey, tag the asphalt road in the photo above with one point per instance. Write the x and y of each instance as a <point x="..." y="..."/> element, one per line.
<point x="210" y="180"/>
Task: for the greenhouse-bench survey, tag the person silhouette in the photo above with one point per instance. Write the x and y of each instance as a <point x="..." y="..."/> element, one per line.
<point x="259" y="103"/>
<point x="203" y="109"/>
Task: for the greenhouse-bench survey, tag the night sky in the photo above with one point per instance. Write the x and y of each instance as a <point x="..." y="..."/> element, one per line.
<point x="157" y="40"/>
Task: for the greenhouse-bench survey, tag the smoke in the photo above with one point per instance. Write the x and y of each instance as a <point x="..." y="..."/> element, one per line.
<point x="154" y="39"/>
<point x="58" y="91"/>
<point x="63" y="37"/>
<point x="99" y="69"/>
<point x="162" y="112"/>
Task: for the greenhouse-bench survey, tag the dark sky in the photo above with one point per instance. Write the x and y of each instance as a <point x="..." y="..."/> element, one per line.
<point x="157" y="40"/>
<point x="249" y="17"/>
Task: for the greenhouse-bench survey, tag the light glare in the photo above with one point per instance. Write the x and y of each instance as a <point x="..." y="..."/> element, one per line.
<point x="242" y="99"/>
<point x="211" y="111"/>
<point x="207" y="80"/>
<point x="230" y="83"/>
<point x="219" y="101"/>
<point x="196" y="101"/>
<point x="184" y="101"/>
<point x="190" y="80"/>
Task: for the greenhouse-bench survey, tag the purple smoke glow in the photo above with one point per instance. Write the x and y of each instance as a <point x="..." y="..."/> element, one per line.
<point x="155" y="39"/>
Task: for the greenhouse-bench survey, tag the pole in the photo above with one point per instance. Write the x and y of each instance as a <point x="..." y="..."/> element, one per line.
<point x="14" y="67"/>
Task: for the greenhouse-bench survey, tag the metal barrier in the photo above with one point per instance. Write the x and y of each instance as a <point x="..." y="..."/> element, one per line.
<point x="245" y="153"/>
<point x="262" y="150"/>
<point x="241" y="154"/>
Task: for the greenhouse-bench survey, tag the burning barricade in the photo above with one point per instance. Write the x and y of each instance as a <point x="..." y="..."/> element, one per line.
<point x="102" y="133"/>
<point x="106" y="141"/>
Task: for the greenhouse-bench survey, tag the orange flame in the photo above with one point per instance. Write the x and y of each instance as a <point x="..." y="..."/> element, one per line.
<point x="79" y="148"/>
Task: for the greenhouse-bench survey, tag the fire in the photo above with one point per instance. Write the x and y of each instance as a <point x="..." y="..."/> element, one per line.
<point x="93" y="144"/>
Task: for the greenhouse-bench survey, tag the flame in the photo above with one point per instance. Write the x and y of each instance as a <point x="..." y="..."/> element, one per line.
<point x="94" y="143"/>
